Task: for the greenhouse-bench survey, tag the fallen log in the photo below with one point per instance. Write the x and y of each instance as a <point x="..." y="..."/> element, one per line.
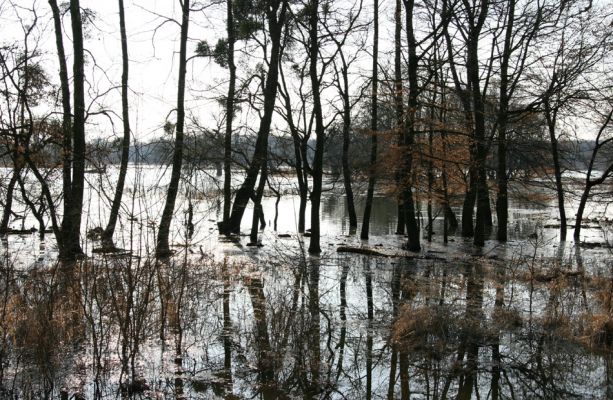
<point x="361" y="250"/>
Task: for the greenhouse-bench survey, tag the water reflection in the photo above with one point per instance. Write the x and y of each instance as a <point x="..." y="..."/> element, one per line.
<point x="292" y="326"/>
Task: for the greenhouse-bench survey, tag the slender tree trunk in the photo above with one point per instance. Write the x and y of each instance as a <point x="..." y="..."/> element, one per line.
<point x="399" y="108"/>
<point x="413" y="229"/>
<point x="71" y="230"/>
<point x="353" y="219"/>
<point x="502" y="201"/>
<point x="430" y="183"/>
<point x="580" y="210"/>
<point x="589" y="182"/>
<point x="8" y="204"/>
<point x="479" y="119"/>
<point x="227" y="161"/>
<point x="107" y="236"/>
<point x="488" y="217"/>
<point x="300" y="164"/>
<point x="245" y="192"/>
<point x="557" y="168"/>
<point x="66" y="124"/>
<point x="162" y="247"/>
<point x="304" y="195"/>
<point x="258" y="212"/>
<point x="314" y="244"/>
<point x="373" y="125"/>
<point x="468" y="206"/>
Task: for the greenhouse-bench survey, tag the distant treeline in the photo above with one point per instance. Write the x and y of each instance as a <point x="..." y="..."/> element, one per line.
<point x="525" y="154"/>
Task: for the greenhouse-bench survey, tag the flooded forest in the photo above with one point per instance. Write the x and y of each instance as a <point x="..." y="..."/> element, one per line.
<point x="285" y="199"/>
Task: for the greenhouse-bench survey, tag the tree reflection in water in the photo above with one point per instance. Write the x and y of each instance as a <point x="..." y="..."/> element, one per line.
<point x="293" y="326"/>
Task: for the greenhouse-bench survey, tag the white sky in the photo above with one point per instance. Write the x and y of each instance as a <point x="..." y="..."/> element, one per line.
<point x="153" y="47"/>
<point x="153" y="56"/>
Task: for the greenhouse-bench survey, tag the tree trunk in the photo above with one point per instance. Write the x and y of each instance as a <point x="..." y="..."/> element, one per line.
<point x="227" y="161"/>
<point x="479" y="119"/>
<point x="557" y="168"/>
<point x="314" y="244"/>
<point x="66" y="123"/>
<point x="580" y="211"/>
<point x="430" y="182"/>
<point x="258" y="212"/>
<point x="353" y="219"/>
<point x="8" y="204"/>
<point x="107" y="236"/>
<point x="71" y="228"/>
<point x="399" y="108"/>
<point x="300" y="168"/>
<point x="245" y="192"/>
<point x="373" y="125"/>
<point x="589" y="183"/>
<point x="470" y="197"/>
<point x="162" y="247"/>
<point x="413" y="229"/>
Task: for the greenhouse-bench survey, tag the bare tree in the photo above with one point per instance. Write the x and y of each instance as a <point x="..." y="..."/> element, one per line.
<point x="603" y="143"/>
<point x="373" y="124"/>
<point x="162" y="248"/>
<point x="276" y="14"/>
<point x="107" y="236"/>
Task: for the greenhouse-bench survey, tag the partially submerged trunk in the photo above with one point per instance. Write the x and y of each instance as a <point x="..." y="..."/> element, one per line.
<point x="8" y="202"/>
<point x="257" y="222"/>
<point x="71" y="224"/>
<point x="227" y="160"/>
<point x="413" y="229"/>
<point x="482" y="197"/>
<point x="107" y="236"/>
<point x="589" y="182"/>
<point x="66" y="126"/>
<point x="162" y="247"/>
<point x="550" y="116"/>
<point x="399" y="111"/>
<point x="468" y="206"/>
<point x="373" y="125"/>
<point x="314" y="243"/>
<point x="301" y="164"/>
<point x="353" y="219"/>
<point x="245" y="192"/>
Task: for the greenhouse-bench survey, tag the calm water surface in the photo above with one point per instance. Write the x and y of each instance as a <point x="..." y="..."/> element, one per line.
<point x="531" y="319"/>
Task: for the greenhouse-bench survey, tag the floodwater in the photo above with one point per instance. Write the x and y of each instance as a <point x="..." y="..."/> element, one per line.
<point x="530" y="319"/>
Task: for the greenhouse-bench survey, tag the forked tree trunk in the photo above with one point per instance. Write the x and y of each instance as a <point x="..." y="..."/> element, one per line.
<point x="71" y="225"/>
<point x="66" y="124"/>
<point x="246" y="191"/>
